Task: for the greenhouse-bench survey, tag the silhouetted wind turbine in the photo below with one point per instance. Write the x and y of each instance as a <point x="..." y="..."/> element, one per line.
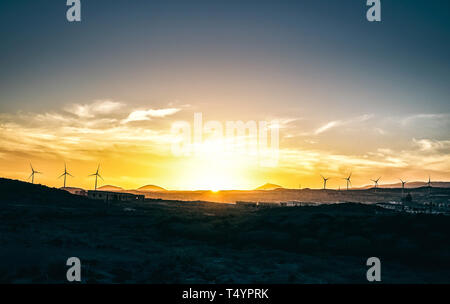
<point x="376" y="181"/>
<point x="324" y="182"/>
<point x="403" y="185"/>
<point x="33" y="172"/>
<point x="348" y="179"/>
<point x="65" y="174"/>
<point x="429" y="185"/>
<point x="96" y="174"/>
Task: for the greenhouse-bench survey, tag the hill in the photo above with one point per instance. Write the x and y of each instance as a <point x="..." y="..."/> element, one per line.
<point x="110" y="188"/>
<point x="14" y="191"/>
<point x="269" y="186"/>
<point x="151" y="188"/>
<point x="179" y="242"/>
<point x="409" y="185"/>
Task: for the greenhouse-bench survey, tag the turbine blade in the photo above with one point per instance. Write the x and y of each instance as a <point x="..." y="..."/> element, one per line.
<point x="62" y="175"/>
<point x="100" y="177"/>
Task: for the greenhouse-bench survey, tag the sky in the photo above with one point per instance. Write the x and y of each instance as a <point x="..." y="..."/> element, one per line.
<point x="349" y="95"/>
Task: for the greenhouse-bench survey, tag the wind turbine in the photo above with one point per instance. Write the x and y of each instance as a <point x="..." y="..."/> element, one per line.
<point x="324" y="182"/>
<point x="376" y="181"/>
<point x="403" y="185"/>
<point x="429" y="182"/>
<point x="96" y="174"/>
<point x="65" y="174"/>
<point x="33" y="172"/>
<point x="348" y="179"/>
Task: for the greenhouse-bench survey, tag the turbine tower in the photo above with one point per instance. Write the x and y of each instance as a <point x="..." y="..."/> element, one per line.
<point x="376" y="181"/>
<point x="324" y="182"/>
<point x="429" y="184"/>
<point x="348" y="179"/>
<point x="96" y="174"/>
<point x="33" y="172"/>
<point x="65" y="174"/>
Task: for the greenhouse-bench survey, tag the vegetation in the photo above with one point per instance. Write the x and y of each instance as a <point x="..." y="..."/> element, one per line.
<point x="179" y="242"/>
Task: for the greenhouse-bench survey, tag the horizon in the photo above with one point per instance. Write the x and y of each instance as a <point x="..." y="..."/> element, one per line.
<point x="359" y="187"/>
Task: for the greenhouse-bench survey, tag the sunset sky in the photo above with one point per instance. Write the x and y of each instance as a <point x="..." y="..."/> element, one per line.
<point x="349" y="95"/>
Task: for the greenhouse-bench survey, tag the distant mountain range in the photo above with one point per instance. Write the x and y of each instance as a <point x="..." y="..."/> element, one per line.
<point x="147" y="188"/>
<point x="409" y="185"/>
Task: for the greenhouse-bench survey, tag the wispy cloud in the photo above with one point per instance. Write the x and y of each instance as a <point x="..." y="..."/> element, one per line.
<point x="142" y="115"/>
<point x="328" y="126"/>
<point x="336" y="123"/>
<point x="414" y="118"/>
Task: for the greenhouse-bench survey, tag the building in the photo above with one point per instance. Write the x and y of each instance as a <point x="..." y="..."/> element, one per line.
<point x="108" y="196"/>
<point x="246" y="204"/>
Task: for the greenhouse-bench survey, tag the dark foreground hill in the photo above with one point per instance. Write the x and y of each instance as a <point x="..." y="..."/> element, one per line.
<point x="179" y="242"/>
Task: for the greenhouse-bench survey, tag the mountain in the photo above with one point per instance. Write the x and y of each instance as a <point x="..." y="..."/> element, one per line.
<point x="410" y="185"/>
<point x="151" y="188"/>
<point x="269" y="186"/>
<point x="110" y="188"/>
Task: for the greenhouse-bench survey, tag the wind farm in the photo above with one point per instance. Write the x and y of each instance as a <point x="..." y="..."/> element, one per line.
<point x="274" y="195"/>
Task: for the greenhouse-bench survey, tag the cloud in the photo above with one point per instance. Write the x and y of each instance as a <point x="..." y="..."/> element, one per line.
<point x="101" y="107"/>
<point x="81" y="130"/>
<point x="142" y="115"/>
<point x="380" y="131"/>
<point x="336" y="123"/>
<point x="430" y="145"/>
<point x="413" y="118"/>
<point x="328" y="126"/>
